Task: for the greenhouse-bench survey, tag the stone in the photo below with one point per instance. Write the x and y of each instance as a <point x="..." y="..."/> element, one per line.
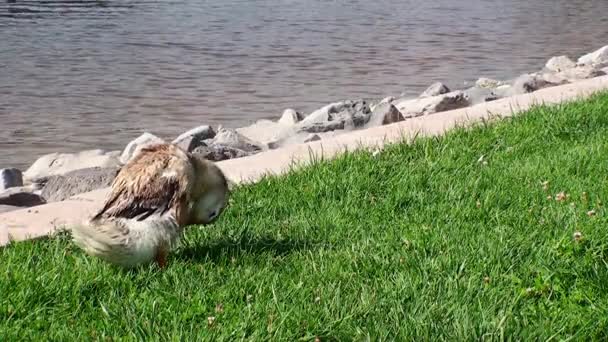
<point x="61" y="187"/>
<point x="529" y="83"/>
<point x="384" y="114"/>
<point x="194" y="138"/>
<point x="61" y="163"/>
<point x="10" y="178"/>
<point x="219" y="152"/>
<point x="388" y="99"/>
<point x="233" y="139"/>
<point x="136" y="145"/>
<point x="559" y="63"/>
<point x="337" y="115"/>
<point x="553" y="78"/>
<point x="598" y="58"/>
<point x="481" y="94"/>
<point x="484" y="82"/>
<point x="312" y="137"/>
<point x="20" y="197"/>
<point x="579" y="73"/>
<point x="410" y="108"/>
<point x="305" y="137"/>
<point x="7" y="208"/>
<point x="320" y="127"/>
<point x="502" y="91"/>
<point x="435" y="89"/>
<point x="290" y="117"/>
<point x="266" y="131"/>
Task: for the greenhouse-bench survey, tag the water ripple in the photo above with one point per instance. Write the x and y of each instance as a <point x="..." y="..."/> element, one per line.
<point x="79" y="74"/>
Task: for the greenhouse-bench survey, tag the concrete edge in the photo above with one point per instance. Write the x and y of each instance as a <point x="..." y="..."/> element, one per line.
<point x="39" y="221"/>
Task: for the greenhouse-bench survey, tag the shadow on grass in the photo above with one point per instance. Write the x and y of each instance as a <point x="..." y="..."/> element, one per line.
<point x="244" y="244"/>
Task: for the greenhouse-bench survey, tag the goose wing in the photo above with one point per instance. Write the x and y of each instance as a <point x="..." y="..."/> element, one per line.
<point x="156" y="180"/>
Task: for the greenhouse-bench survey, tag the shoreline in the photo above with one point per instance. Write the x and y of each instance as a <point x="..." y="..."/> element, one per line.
<point x="45" y="220"/>
<point x="59" y="178"/>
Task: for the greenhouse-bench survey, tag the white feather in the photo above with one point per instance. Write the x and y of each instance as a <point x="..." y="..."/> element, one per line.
<point x="127" y="242"/>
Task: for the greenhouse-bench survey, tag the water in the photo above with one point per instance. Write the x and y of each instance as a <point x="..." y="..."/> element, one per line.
<point x="76" y="75"/>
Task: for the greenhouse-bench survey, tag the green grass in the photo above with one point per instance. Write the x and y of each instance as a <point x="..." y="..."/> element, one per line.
<point x="427" y="241"/>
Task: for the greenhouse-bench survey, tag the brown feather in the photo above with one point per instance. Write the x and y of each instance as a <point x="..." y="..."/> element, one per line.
<point x="155" y="181"/>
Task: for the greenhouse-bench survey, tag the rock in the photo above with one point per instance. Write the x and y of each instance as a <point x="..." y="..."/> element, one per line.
<point x="502" y="91"/>
<point x="553" y="78"/>
<point x="579" y="73"/>
<point x="423" y="106"/>
<point x="20" y="197"/>
<point x="484" y="82"/>
<point x="320" y="127"/>
<point x="266" y="131"/>
<point x="7" y="208"/>
<point x="194" y="137"/>
<point x="384" y="114"/>
<point x="337" y="115"/>
<point x="136" y="144"/>
<point x="305" y="137"/>
<point x="233" y="139"/>
<point x="61" y="163"/>
<point x="435" y="89"/>
<point x="290" y="117"/>
<point x="219" y="152"/>
<point x="312" y="137"/>
<point x="10" y="178"/>
<point x="559" y="63"/>
<point x="388" y="99"/>
<point x="61" y="187"/>
<point x="481" y="94"/>
<point x="529" y="83"/>
<point x="597" y="58"/>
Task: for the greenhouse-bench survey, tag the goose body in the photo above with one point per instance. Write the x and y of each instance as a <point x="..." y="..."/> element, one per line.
<point x="153" y="197"/>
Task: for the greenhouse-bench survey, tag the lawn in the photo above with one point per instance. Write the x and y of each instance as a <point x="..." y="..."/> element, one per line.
<point x="494" y="232"/>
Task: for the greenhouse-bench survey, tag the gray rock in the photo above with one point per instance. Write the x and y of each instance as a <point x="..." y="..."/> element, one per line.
<point x="529" y="83"/>
<point x="321" y="127"/>
<point x="273" y="145"/>
<point x="559" y="63"/>
<point x="384" y="114"/>
<point x="7" y="208"/>
<point x="503" y="91"/>
<point x="136" y="145"/>
<point x="312" y="137"/>
<point x="435" y="89"/>
<point x="62" y="163"/>
<point x="579" y="73"/>
<point x="598" y="58"/>
<point x="219" y="152"/>
<point x="484" y="82"/>
<point x="481" y="94"/>
<point x="264" y="132"/>
<point x="10" y="178"/>
<point x="20" y="197"/>
<point x="305" y="137"/>
<point x="290" y="117"/>
<point x="194" y="138"/>
<point x="337" y="115"/>
<point x="233" y="139"/>
<point x="61" y="187"/>
<point x="410" y="108"/>
<point x="388" y="99"/>
<point x="553" y="78"/>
